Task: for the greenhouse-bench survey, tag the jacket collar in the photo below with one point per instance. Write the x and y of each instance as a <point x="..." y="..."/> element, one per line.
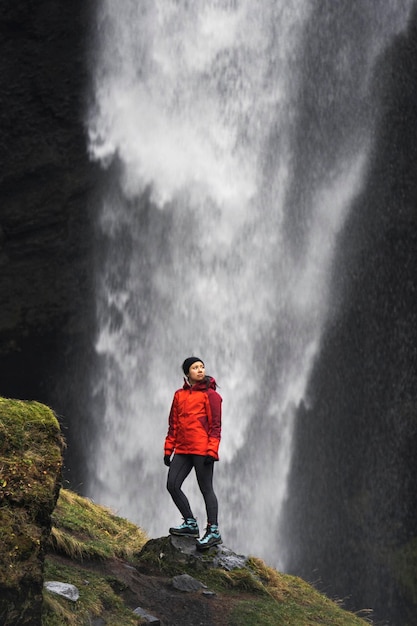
<point x="205" y="384"/>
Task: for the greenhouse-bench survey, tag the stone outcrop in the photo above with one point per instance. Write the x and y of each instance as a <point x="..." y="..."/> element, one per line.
<point x="30" y="474"/>
<point x="174" y="552"/>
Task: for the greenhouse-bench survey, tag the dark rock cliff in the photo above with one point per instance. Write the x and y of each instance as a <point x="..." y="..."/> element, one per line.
<point x="45" y="189"/>
<point x="353" y="515"/>
<point x="45" y="179"/>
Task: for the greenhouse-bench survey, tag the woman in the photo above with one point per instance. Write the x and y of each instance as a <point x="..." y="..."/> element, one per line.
<point x="194" y="437"/>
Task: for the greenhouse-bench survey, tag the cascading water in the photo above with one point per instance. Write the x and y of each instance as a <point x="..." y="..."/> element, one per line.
<point x="231" y="169"/>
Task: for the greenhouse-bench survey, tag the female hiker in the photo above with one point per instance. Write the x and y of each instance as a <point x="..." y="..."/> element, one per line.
<point x="194" y="438"/>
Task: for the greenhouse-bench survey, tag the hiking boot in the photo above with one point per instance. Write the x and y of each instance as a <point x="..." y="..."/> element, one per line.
<point x="211" y="538"/>
<point x="189" y="528"/>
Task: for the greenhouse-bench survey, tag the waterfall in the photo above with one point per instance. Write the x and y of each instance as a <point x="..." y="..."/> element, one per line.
<point x="235" y="136"/>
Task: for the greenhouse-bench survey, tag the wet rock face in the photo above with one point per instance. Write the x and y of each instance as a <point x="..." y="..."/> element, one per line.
<point x="45" y="182"/>
<point x="30" y="461"/>
<point x="354" y="458"/>
<point x="173" y="553"/>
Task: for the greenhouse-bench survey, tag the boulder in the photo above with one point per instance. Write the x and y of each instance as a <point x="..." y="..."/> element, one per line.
<point x="30" y="460"/>
<point x="185" y="582"/>
<point x="66" y="590"/>
<point x="173" y="554"/>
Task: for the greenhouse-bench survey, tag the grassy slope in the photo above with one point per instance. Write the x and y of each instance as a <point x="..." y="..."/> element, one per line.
<point x="100" y="552"/>
<point x="90" y="546"/>
<point x="86" y="534"/>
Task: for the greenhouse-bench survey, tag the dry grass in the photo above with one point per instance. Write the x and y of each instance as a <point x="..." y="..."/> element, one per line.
<point x="85" y="530"/>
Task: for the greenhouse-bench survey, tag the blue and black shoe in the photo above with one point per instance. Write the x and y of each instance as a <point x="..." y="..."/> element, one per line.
<point x="189" y="528"/>
<point x="211" y="538"/>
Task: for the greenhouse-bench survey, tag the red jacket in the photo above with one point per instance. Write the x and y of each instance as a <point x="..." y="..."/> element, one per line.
<point x="195" y="420"/>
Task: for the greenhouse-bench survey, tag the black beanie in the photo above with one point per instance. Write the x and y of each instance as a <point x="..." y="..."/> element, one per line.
<point x="188" y="363"/>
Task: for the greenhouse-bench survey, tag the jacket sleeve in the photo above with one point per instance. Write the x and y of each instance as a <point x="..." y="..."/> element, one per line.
<point x="171" y="438"/>
<point x="215" y="423"/>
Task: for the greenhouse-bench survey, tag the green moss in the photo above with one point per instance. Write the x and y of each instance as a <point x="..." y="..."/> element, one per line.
<point x="97" y="598"/>
<point x="238" y="580"/>
<point x="158" y="556"/>
<point x="277" y="599"/>
<point x="30" y="455"/>
<point x="30" y="464"/>
<point x="20" y="546"/>
<point x="82" y="529"/>
<point x="30" y="470"/>
<point x="270" y="613"/>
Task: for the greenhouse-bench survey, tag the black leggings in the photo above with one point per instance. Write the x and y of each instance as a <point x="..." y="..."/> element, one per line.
<point x="181" y="466"/>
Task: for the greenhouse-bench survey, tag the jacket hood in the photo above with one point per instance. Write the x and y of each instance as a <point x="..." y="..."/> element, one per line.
<point x="208" y="383"/>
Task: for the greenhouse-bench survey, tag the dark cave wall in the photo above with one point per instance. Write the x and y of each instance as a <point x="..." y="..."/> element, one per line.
<point x="45" y="191"/>
<point x="353" y="518"/>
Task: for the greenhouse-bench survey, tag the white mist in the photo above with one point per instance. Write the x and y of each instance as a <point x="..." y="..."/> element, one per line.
<point x="219" y="235"/>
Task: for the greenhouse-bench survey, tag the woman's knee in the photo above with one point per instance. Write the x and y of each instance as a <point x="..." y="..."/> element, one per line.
<point x="170" y="484"/>
<point x="207" y="490"/>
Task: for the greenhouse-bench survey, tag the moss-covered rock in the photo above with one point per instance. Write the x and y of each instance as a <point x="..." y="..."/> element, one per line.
<point x="30" y="474"/>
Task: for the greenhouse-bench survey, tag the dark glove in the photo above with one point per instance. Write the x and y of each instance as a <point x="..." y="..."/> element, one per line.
<point x="209" y="460"/>
<point x="167" y="460"/>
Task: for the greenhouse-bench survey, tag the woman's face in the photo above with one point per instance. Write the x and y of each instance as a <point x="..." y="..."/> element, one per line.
<point x="196" y="373"/>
